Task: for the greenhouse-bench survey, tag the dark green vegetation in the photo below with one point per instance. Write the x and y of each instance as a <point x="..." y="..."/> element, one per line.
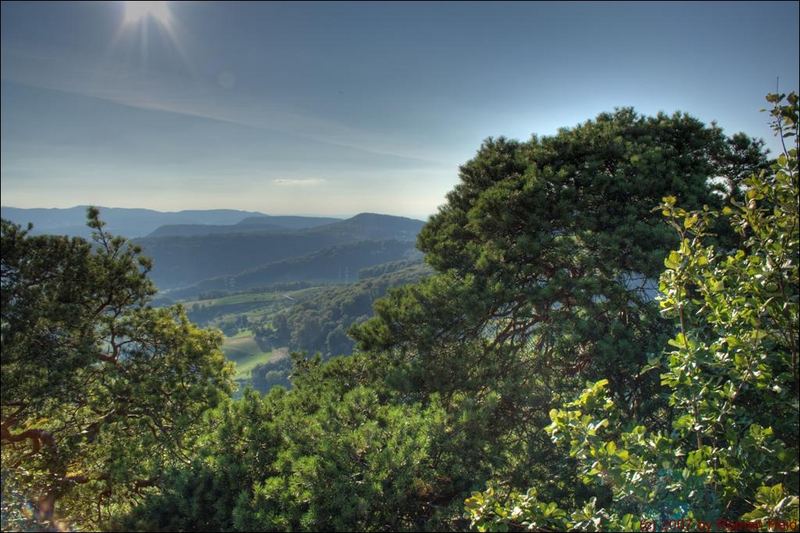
<point x="723" y="446"/>
<point x="100" y="392"/>
<point x="533" y="356"/>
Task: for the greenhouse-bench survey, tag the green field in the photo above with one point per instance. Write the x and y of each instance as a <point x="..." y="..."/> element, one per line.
<point x="255" y="306"/>
<point x="245" y="353"/>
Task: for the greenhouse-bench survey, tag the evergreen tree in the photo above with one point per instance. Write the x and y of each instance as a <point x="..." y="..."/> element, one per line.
<point x="99" y="391"/>
<point x="729" y="452"/>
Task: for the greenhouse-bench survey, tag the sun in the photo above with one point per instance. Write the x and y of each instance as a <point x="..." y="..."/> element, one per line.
<point x="140" y="11"/>
<point x="141" y="21"/>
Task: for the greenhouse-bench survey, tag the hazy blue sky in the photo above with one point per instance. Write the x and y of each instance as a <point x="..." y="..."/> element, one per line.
<point x="337" y="108"/>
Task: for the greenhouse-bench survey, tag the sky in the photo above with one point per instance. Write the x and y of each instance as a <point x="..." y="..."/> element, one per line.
<point x="339" y="108"/>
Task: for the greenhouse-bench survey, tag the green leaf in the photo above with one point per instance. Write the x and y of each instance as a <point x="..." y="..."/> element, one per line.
<point x="672" y="261"/>
<point x="756" y="514"/>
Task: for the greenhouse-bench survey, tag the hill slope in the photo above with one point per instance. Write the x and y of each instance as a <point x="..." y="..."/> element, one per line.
<point x="264" y="223"/>
<point x="185" y="261"/>
<point x="372" y="226"/>
<point x="340" y="264"/>
<point x="288" y="222"/>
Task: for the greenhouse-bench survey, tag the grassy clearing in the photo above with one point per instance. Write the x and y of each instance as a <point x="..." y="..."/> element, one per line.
<point x="238" y="348"/>
<point x="246" y="354"/>
<point x="267" y="296"/>
<point x="256" y="307"/>
<point x="244" y="367"/>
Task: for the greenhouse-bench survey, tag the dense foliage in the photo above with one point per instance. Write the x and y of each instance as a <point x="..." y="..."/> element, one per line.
<point x="728" y="456"/>
<point x="548" y="263"/>
<point x="547" y="256"/>
<point x="100" y="392"/>
<point x="328" y="454"/>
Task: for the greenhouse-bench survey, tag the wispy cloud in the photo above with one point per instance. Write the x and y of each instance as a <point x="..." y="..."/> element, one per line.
<point x="298" y="182"/>
<point x="170" y="92"/>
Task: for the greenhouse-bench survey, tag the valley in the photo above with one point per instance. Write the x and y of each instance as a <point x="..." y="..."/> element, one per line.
<point x="271" y="284"/>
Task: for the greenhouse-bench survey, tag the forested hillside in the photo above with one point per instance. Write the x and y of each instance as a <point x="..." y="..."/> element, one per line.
<point x="339" y="264"/>
<point x="246" y="225"/>
<point x="183" y="261"/>
<point x="519" y="380"/>
<point x="321" y="324"/>
<point x="262" y="325"/>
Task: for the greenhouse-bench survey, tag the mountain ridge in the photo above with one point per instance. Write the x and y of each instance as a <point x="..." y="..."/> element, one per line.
<point x="130" y="222"/>
<point x="341" y="263"/>
<point x="183" y="261"/>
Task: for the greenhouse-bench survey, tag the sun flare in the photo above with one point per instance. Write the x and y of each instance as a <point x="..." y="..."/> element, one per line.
<point x="150" y="27"/>
<point x="140" y="11"/>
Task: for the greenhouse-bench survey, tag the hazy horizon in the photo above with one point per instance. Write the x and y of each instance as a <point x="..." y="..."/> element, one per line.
<point x="223" y="208"/>
<point x="331" y="108"/>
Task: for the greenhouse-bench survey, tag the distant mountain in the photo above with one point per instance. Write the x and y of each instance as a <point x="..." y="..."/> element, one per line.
<point x="374" y="227"/>
<point x="341" y="264"/>
<point x="289" y="222"/>
<point x="194" y="230"/>
<point x="182" y="261"/>
<point x="130" y="223"/>
<point x="264" y="223"/>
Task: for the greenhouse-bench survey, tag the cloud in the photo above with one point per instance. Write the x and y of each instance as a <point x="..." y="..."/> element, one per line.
<point x="299" y="182"/>
<point x="173" y="92"/>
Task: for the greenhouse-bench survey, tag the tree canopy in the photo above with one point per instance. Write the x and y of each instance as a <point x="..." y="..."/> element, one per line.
<point x="547" y="255"/>
<point x="99" y="390"/>
<point x="727" y="458"/>
<point x="549" y="374"/>
<point x="546" y="260"/>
